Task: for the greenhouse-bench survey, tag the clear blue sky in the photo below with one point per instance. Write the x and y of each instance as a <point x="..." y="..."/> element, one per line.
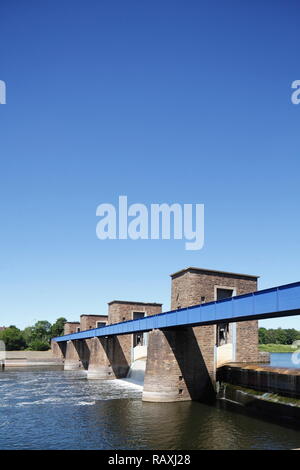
<point x="163" y="101"/>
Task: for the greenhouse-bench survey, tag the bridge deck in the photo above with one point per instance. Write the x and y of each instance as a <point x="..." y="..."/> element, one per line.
<point x="269" y="303"/>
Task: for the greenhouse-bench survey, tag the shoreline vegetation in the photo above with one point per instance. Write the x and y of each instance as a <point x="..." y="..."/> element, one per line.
<point x="277" y="348"/>
<point x="278" y="340"/>
<point x="32" y="338"/>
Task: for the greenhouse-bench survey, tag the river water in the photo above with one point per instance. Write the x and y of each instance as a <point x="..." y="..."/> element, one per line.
<point x="55" y="409"/>
<point x="289" y="360"/>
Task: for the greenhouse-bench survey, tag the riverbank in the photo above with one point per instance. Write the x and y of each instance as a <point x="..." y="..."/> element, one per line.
<point x="31" y="359"/>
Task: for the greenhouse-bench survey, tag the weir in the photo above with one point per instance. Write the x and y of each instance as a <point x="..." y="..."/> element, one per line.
<point x="213" y="321"/>
<point x="136" y="373"/>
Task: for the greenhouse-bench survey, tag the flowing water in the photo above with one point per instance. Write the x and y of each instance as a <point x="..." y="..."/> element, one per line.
<point x="55" y="409"/>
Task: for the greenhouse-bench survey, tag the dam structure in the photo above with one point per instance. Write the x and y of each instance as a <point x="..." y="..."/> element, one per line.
<point x="213" y="322"/>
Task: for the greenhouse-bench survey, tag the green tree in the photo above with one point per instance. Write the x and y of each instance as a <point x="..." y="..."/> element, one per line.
<point x="42" y="330"/>
<point x="262" y="334"/>
<point x="28" y="334"/>
<point x="281" y="336"/>
<point x="13" y="338"/>
<point x="278" y="336"/>
<point x="39" y="345"/>
<point x="271" y="337"/>
<point x="292" y="335"/>
<point x="38" y="336"/>
<point x="57" y="328"/>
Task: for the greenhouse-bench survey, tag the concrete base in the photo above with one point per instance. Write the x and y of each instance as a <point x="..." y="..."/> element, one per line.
<point x="72" y="365"/>
<point x="99" y="366"/>
<point x="100" y="373"/>
<point x="177" y="369"/>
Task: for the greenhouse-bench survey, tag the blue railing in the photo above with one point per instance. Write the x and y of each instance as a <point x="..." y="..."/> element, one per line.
<point x="269" y="303"/>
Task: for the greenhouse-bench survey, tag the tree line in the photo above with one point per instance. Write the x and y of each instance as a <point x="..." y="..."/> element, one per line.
<point x="278" y="335"/>
<point x="34" y="338"/>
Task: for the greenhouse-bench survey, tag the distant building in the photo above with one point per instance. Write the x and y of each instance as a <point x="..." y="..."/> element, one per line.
<point x="87" y="322"/>
<point x="2" y="328"/>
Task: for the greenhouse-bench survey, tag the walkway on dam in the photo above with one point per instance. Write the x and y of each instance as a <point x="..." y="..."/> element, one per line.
<point x="268" y="303"/>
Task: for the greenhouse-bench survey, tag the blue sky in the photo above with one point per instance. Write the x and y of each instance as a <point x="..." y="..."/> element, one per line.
<point x="162" y="101"/>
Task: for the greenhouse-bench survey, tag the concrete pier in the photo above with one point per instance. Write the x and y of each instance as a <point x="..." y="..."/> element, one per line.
<point x="107" y="359"/>
<point x="177" y="369"/>
<point x="76" y="355"/>
<point x="58" y="349"/>
<point x="99" y="366"/>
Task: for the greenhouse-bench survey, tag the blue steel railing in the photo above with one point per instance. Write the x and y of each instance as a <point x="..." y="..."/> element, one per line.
<point x="268" y="303"/>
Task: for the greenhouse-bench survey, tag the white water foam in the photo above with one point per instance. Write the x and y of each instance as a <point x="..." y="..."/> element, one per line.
<point x="136" y="375"/>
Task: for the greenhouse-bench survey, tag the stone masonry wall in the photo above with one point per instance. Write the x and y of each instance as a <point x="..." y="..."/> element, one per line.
<point x="71" y="327"/>
<point x="189" y="287"/>
<point x="247" y="341"/>
<point x="119" y="311"/>
<point x="192" y="286"/>
<point x="90" y="321"/>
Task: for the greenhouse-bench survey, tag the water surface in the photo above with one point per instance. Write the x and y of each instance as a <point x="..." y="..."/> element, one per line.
<point x="55" y="409"/>
<point x="289" y="360"/>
